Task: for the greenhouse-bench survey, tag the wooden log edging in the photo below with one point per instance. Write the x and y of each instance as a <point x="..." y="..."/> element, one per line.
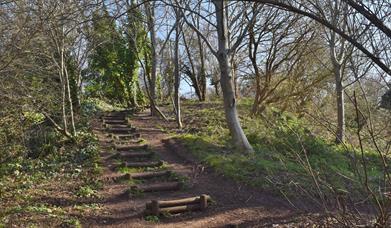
<point x="130" y="147"/>
<point x="156" y="187"/>
<point x="148" y="175"/>
<point x="156" y="207"/>
<point x="108" y="126"/>
<point x="123" y="130"/>
<point x="136" y="154"/>
<point x="115" y="121"/>
<point x="104" y="118"/>
<point x="125" y="136"/>
<point x="144" y="164"/>
<point x="126" y="142"/>
<point x="132" y="155"/>
<point x="141" y="176"/>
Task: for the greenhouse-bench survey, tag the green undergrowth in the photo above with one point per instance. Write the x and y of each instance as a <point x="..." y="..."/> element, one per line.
<point x="94" y="105"/>
<point x="51" y="170"/>
<point x="287" y="156"/>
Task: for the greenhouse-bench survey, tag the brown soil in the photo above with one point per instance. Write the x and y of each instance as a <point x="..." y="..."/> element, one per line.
<point x="235" y="205"/>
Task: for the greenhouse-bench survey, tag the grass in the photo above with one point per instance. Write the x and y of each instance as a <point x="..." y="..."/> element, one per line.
<point x="288" y="157"/>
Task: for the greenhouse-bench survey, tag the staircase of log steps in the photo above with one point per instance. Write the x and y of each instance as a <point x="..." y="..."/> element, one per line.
<point x="151" y="175"/>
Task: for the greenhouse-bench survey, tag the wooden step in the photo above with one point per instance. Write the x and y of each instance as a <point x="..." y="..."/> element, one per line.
<point x="114" y="117"/>
<point x="156" y="207"/>
<point x="143" y="175"/>
<point x="157" y="187"/>
<point x="130" y="147"/>
<point x="175" y="209"/>
<point x="115" y="121"/>
<point x="121" y="130"/>
<point x="147" y="175"/>
<point x="125" y="136"/>
<point x="117" y="125"/>
<point x="135" y="154"/>
<point x="144" y="164"/>
<point x="180" y="202"/>
<point x="127" y="142"/>
<point x="116" y="114"/>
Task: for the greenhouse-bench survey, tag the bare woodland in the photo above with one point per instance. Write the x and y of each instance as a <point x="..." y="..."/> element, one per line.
<point x="327" y="63"/>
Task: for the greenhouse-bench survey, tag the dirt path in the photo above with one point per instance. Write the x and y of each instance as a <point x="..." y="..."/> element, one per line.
<point x="234" y="205"/>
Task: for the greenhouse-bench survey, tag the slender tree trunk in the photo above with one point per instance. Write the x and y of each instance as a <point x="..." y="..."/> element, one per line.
<point x="70" y="102"/>
<point x="235" y="79"/>
<point x="338" y="74"/>
<point x="257" y="99"/>
<point x="78" y="91"/>
<point x="239" y="138"/>
<point x="63" y="92"/>
<point x="202" y="71"/>
<point x="216" y="87"/>
<point x="340" y="135"/>
<point x="135" y="92"/>
<point x="151" y="25"/>
<point x="177" y="76"/>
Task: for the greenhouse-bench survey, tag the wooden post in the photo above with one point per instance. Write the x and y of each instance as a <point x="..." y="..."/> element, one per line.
<point x="203" y="202"/>
<point x="155" y="207"/>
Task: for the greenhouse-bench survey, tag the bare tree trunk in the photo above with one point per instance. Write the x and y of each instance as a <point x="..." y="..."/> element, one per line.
<point x="70" y="103"/>
<point x="257" y="98"/>
<point x="202" y="70"/>
<point x="216" y="87"/>
<point x="239" y="138"/>
<point x="78" y="88"/>
<point x="235" y="79"/>
<point x="177" y="76"/>
<point x="57" y="127"/>
<point x="338" y="60"/>
<point x="340" y="135"/>
<point x="152" y="82"/>
<point x="63" y="92"/>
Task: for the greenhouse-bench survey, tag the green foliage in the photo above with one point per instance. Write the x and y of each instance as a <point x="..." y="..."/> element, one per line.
<point x="114" y="62"/>
<point x="72" y="222"/>
<point x="34" y="117"/>
<point x="152" y="218"/>
<point x="86" y="192"/>
<point x="92" y="106"/>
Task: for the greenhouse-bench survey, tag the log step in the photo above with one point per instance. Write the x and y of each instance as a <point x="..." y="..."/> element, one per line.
<point x="180" y="202"/>
<point x="121" y="130"/>
<point x="142" y="176"/>
<point x="147" y="175"/>
<point x="126" y="136"/>
<point x="136" y="154"/>
<point x="130" y="147"/>
<point x="114" y="118"/>
<point x="156" y="207"/>
<point x="115" y="121"/>
<point x="124" y="142"/>
<point x="179" y="209"/>
<point x="143" y="164"/>
<point x="156" y="187"/>
<point x="115" y="115"/>
<point x="116" y="126"/>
